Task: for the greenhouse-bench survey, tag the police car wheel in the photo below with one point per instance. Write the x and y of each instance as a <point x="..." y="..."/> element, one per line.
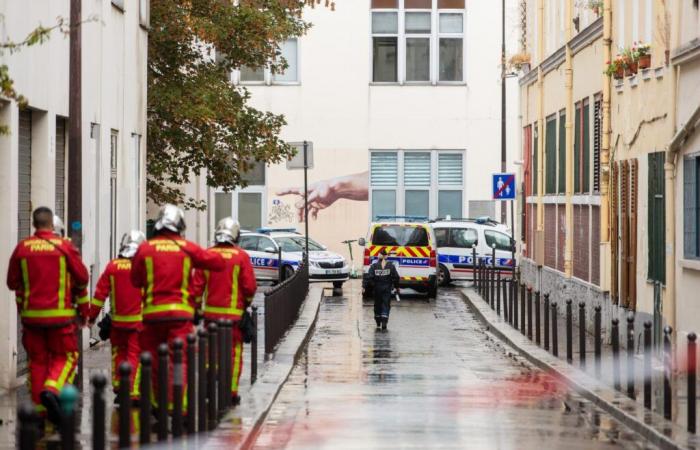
<point x="443" y="276"/>
<point x="288" y="271"/>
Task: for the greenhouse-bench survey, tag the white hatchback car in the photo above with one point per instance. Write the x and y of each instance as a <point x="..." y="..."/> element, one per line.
<point x="456" y="240"/>
<point x="264" y="248"/>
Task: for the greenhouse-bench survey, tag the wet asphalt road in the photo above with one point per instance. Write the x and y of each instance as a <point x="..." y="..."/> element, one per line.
<point x="435" y="379"/>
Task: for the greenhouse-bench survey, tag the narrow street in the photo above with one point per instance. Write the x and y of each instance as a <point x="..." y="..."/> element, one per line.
<point x="435" y="379"/>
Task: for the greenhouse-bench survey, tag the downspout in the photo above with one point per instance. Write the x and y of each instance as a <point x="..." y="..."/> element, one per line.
<point x="607" y="264"/>
<point x="540" y="136"/>
<point x="569" y="85"/>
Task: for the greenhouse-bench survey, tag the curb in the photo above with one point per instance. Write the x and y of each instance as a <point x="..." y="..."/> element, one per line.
<point x="240" y="427"/>
<point x="657" y="430"/>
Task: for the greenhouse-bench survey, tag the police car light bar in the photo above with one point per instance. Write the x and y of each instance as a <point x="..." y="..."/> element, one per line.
<point x="268" y="230"/>
<point x="406" y="218"/>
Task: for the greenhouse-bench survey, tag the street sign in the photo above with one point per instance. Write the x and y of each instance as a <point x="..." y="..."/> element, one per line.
<point x="503" y="186"/>
<point x="297" y="161"/>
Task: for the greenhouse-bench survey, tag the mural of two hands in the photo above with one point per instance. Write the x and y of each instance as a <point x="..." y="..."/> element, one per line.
<point x="324" y="193"/>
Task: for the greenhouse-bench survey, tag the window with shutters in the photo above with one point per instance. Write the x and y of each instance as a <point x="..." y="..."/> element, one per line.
<point x="535" y="159"/>
<point x="656" y="218"/>
<point x="691" y="207"/>
<point x="24" y="178"/>
<point x="562" y="153"/>
<point x="582" y="165"/>
<point x="597" y="141"/>
<point x="550" y="145"/>
<point x="416" y="183"/>
<point x="113" y="148"/>
<point x="60" y="191"/>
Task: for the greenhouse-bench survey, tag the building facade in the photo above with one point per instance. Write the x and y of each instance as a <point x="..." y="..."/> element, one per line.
<point x="34" y="155"/>
<point x="401" y="100"/>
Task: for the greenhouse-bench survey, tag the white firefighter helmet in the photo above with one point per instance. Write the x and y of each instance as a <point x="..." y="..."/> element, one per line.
<point x="130" y="243"/>
<point x="58" y="228"/>
<point x="172" y="218"/>
<point x="227" y="231"/>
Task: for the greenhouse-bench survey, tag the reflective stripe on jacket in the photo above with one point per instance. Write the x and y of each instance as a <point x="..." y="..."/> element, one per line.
<point x="115" y="283"/>
<point x="163" y="267"/>
<point x="46" y="272"/>
<point x="226" y="294"/>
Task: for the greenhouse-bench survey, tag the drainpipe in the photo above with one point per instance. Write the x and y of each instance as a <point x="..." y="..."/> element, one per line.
<point x="539" y="250"/>
<point x="569" y="85"/>
<point x="607" y="265"/>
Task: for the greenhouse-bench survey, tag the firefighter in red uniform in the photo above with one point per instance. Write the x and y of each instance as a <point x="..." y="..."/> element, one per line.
<point x="46" y="271"/>
<point x="163" y="266"/>
<point x="226" y="294"/>
<point x="115" y="283"/>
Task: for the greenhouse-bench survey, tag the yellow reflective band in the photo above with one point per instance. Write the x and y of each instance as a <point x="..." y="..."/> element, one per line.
<point x="221" y="310"/>
<point x="97" y="302"/>
<point x="149" y="280"/>
<point x="61" y="282"/>
<point x="18" y="300"/>
<point x="152" y="309"/>
<point x="236" y="367"/>
<point x="46" y="313"/>
<point x="234" y="290"/>
<point x="134" y="318"/>
<point x="25" y="280"/>
<point x="65" y="373"/>
<point x="135" y="389"/>
<point x="185" y="280"/>
<point x="82" y="300"/>
<point x="112" y="291"/>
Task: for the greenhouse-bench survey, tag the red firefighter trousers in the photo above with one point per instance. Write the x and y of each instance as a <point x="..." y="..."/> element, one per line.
<point x="126" y="348"/>
<point x="53" y="358"/>
<point x="156" y="333"/>
<point x="236" y="358"/>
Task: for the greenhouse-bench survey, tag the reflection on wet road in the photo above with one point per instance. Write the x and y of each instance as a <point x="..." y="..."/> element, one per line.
<point x="435" y="379"/>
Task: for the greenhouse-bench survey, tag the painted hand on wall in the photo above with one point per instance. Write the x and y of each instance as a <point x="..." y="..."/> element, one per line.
<point x="324" y="193"/>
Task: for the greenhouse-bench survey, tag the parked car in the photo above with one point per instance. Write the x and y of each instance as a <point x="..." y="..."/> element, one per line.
<point x="412" y="248"/>
<point x="265" y="245"/>
<point x="456" y="239"/>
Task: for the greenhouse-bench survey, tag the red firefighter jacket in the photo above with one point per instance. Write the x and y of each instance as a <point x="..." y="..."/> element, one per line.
<point x="226" y="294"/>
<point x="46" y="271"/>
<point x="163" y="267"/>
<point x="115" y="283"/>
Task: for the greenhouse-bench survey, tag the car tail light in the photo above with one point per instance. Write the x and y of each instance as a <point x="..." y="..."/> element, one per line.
<point x="366" y="257"/>
<point x="433" y="258"/>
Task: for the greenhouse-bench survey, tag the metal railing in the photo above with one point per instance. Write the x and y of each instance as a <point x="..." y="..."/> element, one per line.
<point x="282" y="306"/>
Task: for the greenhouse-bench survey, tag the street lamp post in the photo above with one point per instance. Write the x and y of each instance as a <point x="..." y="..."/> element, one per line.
<point x="503" y="105"/>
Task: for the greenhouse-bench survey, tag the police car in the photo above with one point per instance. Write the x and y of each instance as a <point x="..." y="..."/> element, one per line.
<point x="411" y="245"/>
<point x="264" y="248"/>
<point x="456" y="239"/>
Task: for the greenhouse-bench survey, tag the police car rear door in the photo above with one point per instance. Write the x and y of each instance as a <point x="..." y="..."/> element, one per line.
<point x="455" y="250"/>
<point x="504" y="251"/>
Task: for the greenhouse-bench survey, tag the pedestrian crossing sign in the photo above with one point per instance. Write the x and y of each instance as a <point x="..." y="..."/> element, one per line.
<point x="503" y="186"/>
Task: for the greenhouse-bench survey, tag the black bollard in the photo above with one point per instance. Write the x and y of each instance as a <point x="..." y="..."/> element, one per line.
<point x="538" y="336"/>
<point x="668" y="368"/>
<point x="692" y="379"/>
<point x="145" y="403"/>
<point x="202" y="381"/>
<point x="178" y="388"/>
<point x="529" y="313"/>
<point x="498" y="292"/>
<point x="162" y="425"/>
<point x="546" y="321"/>
<point x="615" y="332"/>
<point x="514" y="302"/>
<point x="254" y="347"/>
<point x="474" y="264"/>
<point x="555" y="331"/>
<point x="506" y="306"/>
<point x="212" y="373"/>
<point x="124" y="405"/>
<point x="647" y="364"/>
<point x="28" y="432"/>
<point x="523" y="309"/>
<point x="99" y="381"/>
<point x="630" y="356"/>
<point x="489" y="278"/>
<point x="582" y="334"/>
<point x="569" y="332"/>
<point x="191" y="384"/>
<point x="598" y="339"/>
<point x="229" y="362"/>
<point x="221" y="378"/>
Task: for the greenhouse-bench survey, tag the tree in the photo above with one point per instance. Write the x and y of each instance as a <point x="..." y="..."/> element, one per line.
<point x="197" y="120"/>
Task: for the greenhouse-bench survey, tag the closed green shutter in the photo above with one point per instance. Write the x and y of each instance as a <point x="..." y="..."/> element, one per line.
<point x="656" y="218"/>
<point x="535" y="160"/>
<point x="577" y="150"/>
<point x="586" y="149"/>
<point x="562" y="152"/>
<point x="690" y="208"/>
<point x="551" y="156"/>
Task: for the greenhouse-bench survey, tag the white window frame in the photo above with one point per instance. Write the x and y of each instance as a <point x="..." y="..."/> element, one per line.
<point x="145" y="14"/>
<point x="269" y="77"/>
<point x="434" y="37"/>
<point x="255" y="189"/>
<point x="137" y="178"/>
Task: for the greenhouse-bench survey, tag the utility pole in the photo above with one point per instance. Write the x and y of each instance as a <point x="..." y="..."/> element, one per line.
<point x="503" y="108"/>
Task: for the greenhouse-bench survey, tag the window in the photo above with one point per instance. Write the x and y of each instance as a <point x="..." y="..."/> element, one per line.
<point x="656" y="218"/>
<point x="582" y="164"/>
<point x="502" y="241"/>
<point x="265" y="243"/>
<point x="562" y="152"/>
<point x="61" y="145"/>
<point x="691" y="207"/>
<point x="401" y="235"/>
<point x="250" y="210"/>
<point x="136" y="174"/>
<point x="456" y="237"/>
<point x="113" y="148"/>
<point x="222" y="206"/>
<point x="249" y="243"/>
<point x="289" y="50"/>
<point x="145" y="13"/>
<point x="416" y="183"/>
<point x="551" y="155"/>
<point x="535" y="158"/>
<point x="597" y="141"/>
<point x="442" y="236"/>
<point x="406" y="38"/>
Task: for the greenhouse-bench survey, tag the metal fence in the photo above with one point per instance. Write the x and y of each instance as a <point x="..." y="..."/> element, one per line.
<point x="282" y="306"/>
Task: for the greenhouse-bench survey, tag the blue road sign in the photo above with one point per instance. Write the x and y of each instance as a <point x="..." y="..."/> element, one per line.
<point x="503" y="186"/>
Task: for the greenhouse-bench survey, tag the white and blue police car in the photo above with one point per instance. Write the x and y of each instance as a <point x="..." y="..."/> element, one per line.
<point x="264" y="247"/>
<point x="456" y="239"/>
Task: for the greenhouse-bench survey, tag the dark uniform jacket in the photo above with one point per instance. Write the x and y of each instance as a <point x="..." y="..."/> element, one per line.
<point x="383" y="280"/>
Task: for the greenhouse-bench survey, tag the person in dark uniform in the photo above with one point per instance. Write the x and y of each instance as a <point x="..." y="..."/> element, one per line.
<point x="384" y="279"/>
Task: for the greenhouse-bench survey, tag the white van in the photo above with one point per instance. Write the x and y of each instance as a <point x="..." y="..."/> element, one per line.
<point x="456" y="239"/>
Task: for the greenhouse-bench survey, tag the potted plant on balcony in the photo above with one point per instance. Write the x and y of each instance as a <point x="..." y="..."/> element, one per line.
<point x="596" y="6"/>
<point x="615" y="68"/>
<point x="642" y="54"/>
<point x="520" y="62"/>
<point x="629" y="62"/>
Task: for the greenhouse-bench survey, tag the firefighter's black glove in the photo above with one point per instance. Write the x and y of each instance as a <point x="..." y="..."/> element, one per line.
<point x="105" y="326"/>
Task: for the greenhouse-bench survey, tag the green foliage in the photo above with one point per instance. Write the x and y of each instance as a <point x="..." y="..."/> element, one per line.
<point x="198" y="122"/>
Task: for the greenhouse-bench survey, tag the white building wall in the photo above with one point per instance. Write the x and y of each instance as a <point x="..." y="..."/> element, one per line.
<point x="114" y="96"/>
